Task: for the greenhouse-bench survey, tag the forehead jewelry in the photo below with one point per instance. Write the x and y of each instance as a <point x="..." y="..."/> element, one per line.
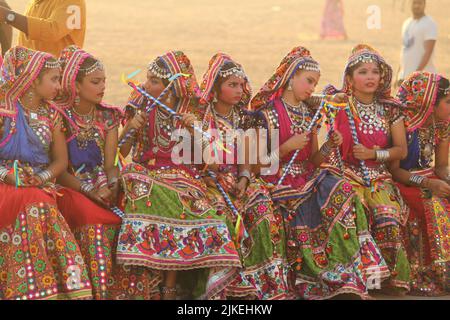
<point x="161" y="73"/>
<point x="238" y="72"/>
<point x="96" y="66"/>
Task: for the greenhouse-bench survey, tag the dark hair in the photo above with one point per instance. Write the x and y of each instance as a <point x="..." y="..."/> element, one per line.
<point x="444" y="84"/>
<point x="44" y="70"/>
<point x="351" y="70"/>
<point x="220" y="80"/>
<point x="160" y="63"/>
<point x="87" y="63"/>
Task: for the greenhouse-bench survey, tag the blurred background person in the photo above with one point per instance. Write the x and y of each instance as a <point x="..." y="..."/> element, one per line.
<point x="49" y="25"/>
<point x="5" y="32"/>
<point x="419" y="34"/>
<point x="332" y="26"/>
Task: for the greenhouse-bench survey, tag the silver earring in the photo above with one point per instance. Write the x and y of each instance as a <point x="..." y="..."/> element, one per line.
<point x="77" y="100"/>
<point x="30" y="96"/>
<point x="290" y="86"/>
<point x="169" y="98"/>
<point x="215" y="98"/>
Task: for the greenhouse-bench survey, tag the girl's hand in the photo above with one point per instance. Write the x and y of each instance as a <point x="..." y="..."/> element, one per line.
<point x="360" y="152"/>
<point x="439" y="188"/>
<point x="298" y="142"/>
<point x="241" y="187"/>
<point x="138" y="121"/>
<point x="336" y="139"/>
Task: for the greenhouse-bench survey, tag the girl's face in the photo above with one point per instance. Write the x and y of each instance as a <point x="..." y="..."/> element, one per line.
<point x="49" y="84"/>
<point x="442" y="110"/>
<point x="154" y="86"/>
<point x="366" y="78"/>
<point x="231" y="90"/>
<point x="304" y="83"/>
<point x="92" y="87"/>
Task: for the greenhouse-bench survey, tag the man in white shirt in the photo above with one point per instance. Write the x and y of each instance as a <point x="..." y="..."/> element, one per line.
<point x="419" y="35"/>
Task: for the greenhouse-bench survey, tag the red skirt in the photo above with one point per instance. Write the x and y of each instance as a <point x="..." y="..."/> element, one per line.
<point x="96" y="230"/>
<point x="427" y="241"/>
<point x="39" y="256"/>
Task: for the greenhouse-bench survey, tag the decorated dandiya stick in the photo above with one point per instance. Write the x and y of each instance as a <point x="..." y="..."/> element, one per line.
<point x="118" y="212"/>
<point x="150" y="106"/>
<point x="157" y="102"/>
<point x="362" y="163"/>
<point x="315" y="119"/>
<point x="240" y="231"/>
<point x="80" y="169"/>
<point x="331" y="117"/>
<point x="16" y="173"/>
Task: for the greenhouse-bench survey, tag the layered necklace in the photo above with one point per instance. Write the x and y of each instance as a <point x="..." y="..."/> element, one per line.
<point x="40" y="127"/>
<point x="299" y="116"/>
<point x="371" y="117"/>
<point x="163" y="131"/>
<point x="86" y="123"/>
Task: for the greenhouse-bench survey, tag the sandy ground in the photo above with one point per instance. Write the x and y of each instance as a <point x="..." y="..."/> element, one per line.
<point x="126" y="35"/>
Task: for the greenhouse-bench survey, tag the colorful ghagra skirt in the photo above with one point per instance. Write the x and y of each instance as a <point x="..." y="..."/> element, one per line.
<point x="39" y="256"/>
<point x="263" y="249"/>
<point x="427" y="240"/>
<point x="170" y="226"/>
<point x="387" y="218"/>
<point x="329" y="246"/>
<point x="96" y="231"/>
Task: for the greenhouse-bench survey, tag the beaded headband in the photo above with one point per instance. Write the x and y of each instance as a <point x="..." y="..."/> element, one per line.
<point x="52" y="64"/>
<point x="310" y="65"/>
<point x="96" y="66"/>
<point x="161" y="73"/>
<point x="364" y="58"/>
<point x="238" y="72"/>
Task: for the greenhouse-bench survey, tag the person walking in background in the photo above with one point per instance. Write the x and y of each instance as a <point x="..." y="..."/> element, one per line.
<point x="5" y="33"/>
<point x="49" y="25"/>
<point x="419" y="35"/>
<point x="333" y="21"/>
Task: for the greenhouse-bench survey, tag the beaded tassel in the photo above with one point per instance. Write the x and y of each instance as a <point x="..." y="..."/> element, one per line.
<point x="331" y="118"/>
<point x="240" y="231"/>
<point x="362" y="163"/>
<point x="316" y="118"/>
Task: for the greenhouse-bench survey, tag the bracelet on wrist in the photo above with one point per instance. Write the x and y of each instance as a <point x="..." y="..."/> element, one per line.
<point x="382" y="155"/>
<point x="416" y="180"/>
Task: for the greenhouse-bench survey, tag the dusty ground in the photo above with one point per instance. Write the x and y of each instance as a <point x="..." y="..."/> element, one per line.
<point x="257" y="33"/>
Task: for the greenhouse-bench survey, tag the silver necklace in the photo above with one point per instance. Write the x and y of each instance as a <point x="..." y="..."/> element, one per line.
<point x="371" y="116"/>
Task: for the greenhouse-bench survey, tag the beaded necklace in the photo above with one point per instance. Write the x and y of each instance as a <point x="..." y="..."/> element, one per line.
<point x="298" y="116"/>
<point x="370" y="117"/>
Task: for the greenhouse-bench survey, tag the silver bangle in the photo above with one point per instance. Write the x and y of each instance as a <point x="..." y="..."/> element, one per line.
<point x="382" y="155"/>
<point x="3" y="174"/>
<point x="45" y="176"/>
<point x="325" y="150"/>
<point x="416" y="180"/>
<point x="86" y="187"/>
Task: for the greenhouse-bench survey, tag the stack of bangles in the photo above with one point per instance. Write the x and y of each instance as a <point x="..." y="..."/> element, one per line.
<point x="86" y="187"/>
<point x="3" y="174"/>
<point x="325" y="150"/>
<point x="416" y="180"/>
<point x="45" y="176"/>
<point x="382" y="155"/>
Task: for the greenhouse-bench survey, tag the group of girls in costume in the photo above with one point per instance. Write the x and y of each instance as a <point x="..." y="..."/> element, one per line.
<point x="367" y="210"/>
